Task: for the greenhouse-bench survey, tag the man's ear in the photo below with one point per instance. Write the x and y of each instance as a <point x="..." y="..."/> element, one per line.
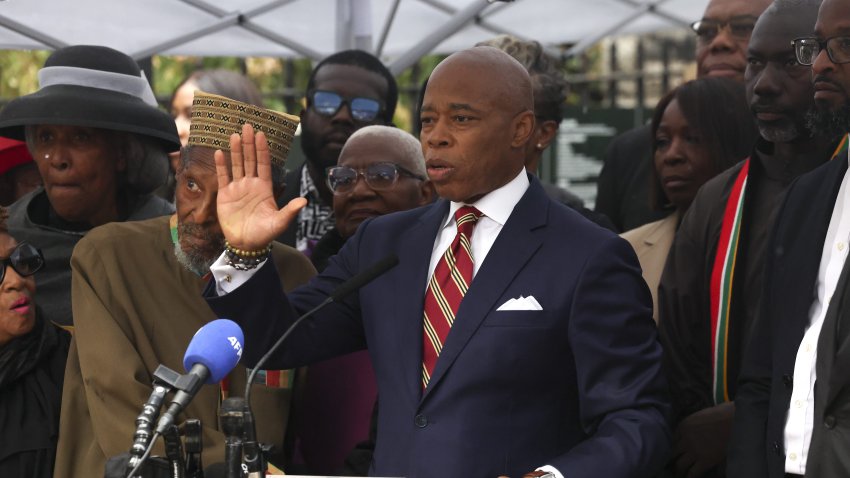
<point x="427" y="192"/>
<point x="523" y="128"/>
<point x="547" y="132"/>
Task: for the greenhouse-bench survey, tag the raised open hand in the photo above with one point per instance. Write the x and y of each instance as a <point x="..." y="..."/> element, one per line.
<point x="247" y="211"/>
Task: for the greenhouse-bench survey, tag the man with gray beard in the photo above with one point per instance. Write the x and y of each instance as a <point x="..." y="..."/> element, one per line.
<point x="711" y="286"/>
<point x="793" y="393"/>
<point x="137" y="297"/>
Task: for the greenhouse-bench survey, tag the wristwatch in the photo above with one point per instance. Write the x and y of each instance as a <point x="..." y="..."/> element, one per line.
<point x="540" y="474"/>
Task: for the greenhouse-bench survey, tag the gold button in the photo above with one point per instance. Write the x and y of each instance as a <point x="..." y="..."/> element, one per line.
<point x="792" y="456"/>
<point x="840" y="246"/>
<point x="227" y="278"/>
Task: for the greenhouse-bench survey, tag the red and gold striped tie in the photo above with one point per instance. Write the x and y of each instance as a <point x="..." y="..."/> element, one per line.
<point x="446" y="289"/>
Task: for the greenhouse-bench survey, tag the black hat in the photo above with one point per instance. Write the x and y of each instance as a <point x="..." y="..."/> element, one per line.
<point x="91" y="86"/>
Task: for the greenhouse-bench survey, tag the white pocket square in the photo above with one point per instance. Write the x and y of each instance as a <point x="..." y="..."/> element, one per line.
<point x="522" y="303"/>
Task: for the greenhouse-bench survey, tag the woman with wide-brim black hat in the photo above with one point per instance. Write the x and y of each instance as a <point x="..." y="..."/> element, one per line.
<point x="101" y="146"/>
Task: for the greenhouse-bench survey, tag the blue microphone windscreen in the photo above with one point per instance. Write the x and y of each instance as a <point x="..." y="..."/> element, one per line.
<point x="218" y="346"/>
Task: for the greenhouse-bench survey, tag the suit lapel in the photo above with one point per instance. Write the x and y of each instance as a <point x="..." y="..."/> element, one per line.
<point x="832" y="348"/>
<point x="410" y="294"/>
<point x="803" y="256"/>
<point x="828" y="337"/>
<point x="520" y="237"/>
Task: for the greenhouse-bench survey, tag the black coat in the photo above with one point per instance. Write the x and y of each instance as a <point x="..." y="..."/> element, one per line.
<point x="766" y="379"/>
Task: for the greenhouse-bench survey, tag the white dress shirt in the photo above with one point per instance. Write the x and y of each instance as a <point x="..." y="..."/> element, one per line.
<point x="496" y="207"/>
<point x="798" y="425"/>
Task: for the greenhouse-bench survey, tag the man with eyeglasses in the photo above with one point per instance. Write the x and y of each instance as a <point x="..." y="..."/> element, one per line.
<point x="623" y="185"/>
<point x="346" y="91"/>
<point x="710" y="289"/>
<point x="792" y="406"/>
<point x="381" y="170"/>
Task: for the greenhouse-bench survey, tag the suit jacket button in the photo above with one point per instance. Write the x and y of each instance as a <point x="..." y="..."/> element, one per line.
<point x="776" y="448"/>
<point x="788" y="380"/>
<point x="829" y="422"/>
<point x="420" y="421"/>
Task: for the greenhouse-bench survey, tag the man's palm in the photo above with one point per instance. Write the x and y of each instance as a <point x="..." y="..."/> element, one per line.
<point x="246" y="207"/>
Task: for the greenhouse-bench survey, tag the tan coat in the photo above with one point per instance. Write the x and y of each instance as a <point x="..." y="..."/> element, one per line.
<point x="136" y="307"/>
<point x="652" y="243"/>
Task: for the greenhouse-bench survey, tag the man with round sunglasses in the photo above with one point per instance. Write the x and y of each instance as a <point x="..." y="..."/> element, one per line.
<point x="381" y="170"/>
<point x="792" y="402"/>
<point x="346" y="91"/>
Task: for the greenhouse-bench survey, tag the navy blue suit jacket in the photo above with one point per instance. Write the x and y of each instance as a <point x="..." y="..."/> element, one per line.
<point x="577" y="385"/>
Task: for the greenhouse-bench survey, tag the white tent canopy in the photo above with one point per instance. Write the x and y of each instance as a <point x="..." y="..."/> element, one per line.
<point x="400" y="31"/>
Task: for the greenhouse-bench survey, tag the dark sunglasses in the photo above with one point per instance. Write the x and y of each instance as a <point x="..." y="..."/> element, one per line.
<point x="739" y="28"/>
<point x="327" y="103"/>
<point x="807" y="49"/>
<point x="378" y="176"/>
<point x="25" y="259"/>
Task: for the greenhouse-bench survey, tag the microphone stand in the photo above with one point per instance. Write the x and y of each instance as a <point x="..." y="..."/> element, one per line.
<point x="174" y="451"/>
<point x="164" y="381"/>
<point x="233" y="425"/>
<point x="194" y="443"/>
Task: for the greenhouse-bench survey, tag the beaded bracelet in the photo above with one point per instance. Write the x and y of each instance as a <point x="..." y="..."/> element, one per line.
<point x="245" y="260"/>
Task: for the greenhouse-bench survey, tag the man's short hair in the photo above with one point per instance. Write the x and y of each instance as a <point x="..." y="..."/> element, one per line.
<point x="408" y="145"/>
<point x="368" y="62"/>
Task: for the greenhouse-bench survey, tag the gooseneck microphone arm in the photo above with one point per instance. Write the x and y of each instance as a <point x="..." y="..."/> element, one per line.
<point x="144" y="424"/>
<point x="341" y="292"/>
<point x="252" y="454"/>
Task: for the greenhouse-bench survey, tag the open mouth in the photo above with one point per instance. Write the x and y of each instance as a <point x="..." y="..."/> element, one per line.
<point x="437" y="169"/>
<point x="21" y="306"/>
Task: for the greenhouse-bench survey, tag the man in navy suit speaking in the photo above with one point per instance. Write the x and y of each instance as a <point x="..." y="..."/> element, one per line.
<point x="514" y="337"/>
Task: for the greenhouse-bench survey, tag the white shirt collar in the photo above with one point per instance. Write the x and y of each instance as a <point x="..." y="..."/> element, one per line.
<point x="499" y="203"/>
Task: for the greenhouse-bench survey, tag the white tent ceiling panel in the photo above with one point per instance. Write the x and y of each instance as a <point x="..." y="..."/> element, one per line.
<point x="309" y="27"/>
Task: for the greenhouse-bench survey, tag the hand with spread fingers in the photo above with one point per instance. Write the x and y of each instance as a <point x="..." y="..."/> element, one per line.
<point x="247" y="211"/>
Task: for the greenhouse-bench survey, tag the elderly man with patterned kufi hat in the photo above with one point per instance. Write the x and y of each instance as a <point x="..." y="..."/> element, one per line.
<point x="100" y="144"/>
<point x="137" y="303"/>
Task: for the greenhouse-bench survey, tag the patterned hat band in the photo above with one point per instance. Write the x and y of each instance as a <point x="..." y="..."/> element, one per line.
<point x="215" y="118"/>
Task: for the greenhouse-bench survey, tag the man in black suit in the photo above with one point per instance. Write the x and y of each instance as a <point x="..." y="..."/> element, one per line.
<point x="792" y="403"/>
<point x="723" y="34"/>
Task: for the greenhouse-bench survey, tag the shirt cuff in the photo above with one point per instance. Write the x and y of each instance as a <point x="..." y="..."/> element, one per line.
<point x="551" y="469"/>
<point x="228" y="278"/>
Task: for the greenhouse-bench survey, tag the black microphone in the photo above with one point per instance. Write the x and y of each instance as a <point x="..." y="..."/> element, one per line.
<point x="253" y="459"/>
<point x="233" y="426"/>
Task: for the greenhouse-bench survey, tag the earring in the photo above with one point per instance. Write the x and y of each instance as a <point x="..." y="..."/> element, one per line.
<point x="539" y="145"/>
<point x="47" y="156"/>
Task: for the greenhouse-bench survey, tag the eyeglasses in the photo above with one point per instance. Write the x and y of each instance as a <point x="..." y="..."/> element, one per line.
<point x="25" y="259"/>
<point x="378" y="176"/>
<point x="740" y="28"/>
<point x="807" y="49"/>
<point x="327" y="103"/>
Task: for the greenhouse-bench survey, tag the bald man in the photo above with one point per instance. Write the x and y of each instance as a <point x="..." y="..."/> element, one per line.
<point x="550" y="366"/>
